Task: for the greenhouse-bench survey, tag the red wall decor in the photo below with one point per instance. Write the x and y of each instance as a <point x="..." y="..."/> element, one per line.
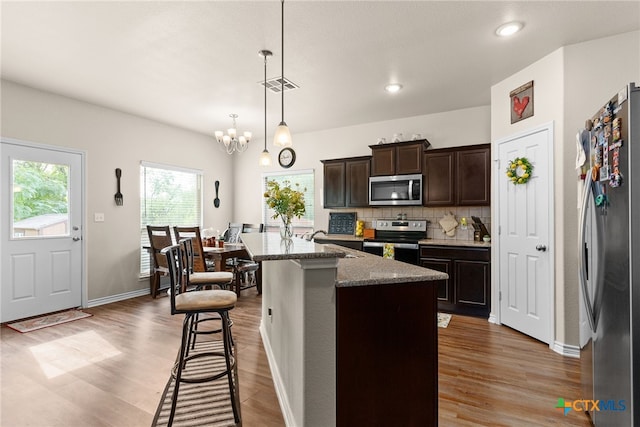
<point x="521" y="102"/>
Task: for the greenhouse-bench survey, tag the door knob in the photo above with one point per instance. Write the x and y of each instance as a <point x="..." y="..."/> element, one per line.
<point x="75" y="239"/>
<point x="541" y="248"/>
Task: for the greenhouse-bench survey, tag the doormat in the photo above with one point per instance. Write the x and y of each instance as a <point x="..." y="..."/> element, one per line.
<point x="443" y="320"/>
<point x="47" y="320"/>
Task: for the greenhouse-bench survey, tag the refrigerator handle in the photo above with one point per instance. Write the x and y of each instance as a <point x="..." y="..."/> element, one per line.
<point x="582" y="254"/>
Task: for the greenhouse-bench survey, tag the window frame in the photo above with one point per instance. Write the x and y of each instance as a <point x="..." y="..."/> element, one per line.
<point x="271" y="224"/>
<point x="145" y="259"/>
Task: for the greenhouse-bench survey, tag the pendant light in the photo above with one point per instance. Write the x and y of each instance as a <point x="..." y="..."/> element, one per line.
<point x="282" y="137"/>
<point x="265" y="157"/>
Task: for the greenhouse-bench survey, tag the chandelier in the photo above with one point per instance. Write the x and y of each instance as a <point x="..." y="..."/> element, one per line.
<point x="232" y="142"/>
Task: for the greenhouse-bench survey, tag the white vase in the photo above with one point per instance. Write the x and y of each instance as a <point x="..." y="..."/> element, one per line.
<point x="286" y="228"/>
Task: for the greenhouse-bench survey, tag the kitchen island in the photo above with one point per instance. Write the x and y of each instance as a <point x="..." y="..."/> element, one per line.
<point x="351" y="337"/>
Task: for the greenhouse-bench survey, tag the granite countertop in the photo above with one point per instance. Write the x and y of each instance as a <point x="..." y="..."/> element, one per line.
<point x="364" y="269"/>
<point x="449" y="242"/>
<point x="355" y="268"/>
<point x="343" y="237"/>
<point x="270" y="247"/>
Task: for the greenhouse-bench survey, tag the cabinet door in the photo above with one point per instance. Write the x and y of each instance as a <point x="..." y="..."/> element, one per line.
<point x="472" y="285"/>
<point x="439" y="178"/>
<point x="445" y="290"/>
<point x="473" y="176"/>
<point x="383" y="161"/>
<point x="408" y="159"/>
<point x="357" y="183"/>
<point x="334" y="184"/>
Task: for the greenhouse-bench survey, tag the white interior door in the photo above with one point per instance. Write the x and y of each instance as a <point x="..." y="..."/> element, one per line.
<point x="526" y="282"/>
<point x="41" y="230"/>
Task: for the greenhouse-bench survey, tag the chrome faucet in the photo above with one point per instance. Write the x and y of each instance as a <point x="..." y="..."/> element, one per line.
<point x="309" y="237"/>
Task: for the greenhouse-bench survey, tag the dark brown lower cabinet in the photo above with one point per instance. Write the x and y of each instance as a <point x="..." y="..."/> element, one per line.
<point x="468" y="289"/>
<point x="387" y="355"/>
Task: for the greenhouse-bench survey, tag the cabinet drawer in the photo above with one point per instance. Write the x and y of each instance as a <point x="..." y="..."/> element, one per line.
<point x="455" y="253"/>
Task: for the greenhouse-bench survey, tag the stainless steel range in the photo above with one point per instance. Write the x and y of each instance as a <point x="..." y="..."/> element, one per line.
<point x="403" y="234"/>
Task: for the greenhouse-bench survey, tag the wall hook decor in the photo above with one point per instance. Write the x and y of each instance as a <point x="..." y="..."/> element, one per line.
<point x="118" y="195"/>
<point x="216" y="201"/>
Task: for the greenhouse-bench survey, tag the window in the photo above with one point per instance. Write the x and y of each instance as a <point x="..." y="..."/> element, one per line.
<point x="168" y="196"/>
<point x="305" y="179"/>
<point x="40" y="199"/>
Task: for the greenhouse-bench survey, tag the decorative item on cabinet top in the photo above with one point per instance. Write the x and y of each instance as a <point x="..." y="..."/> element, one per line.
<point x="385" y="141"/>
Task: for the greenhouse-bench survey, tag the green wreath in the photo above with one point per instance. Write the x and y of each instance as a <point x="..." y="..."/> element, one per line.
<point x="519" y="170"/>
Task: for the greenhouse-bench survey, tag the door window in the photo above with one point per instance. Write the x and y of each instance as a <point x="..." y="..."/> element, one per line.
<point x="40" y="199"/>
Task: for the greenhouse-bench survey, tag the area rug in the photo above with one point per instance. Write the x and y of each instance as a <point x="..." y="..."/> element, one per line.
<point x="443" y="320"/>
<point x="205" y="404"/>
<point x="47" y="320"/>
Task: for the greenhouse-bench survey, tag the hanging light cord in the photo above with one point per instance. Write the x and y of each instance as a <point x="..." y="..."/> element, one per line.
<point x="265" y="102"/>
<point x="282" y="55"/>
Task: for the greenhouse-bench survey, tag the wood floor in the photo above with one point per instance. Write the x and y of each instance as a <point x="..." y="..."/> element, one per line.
<point x="110" y="370"/>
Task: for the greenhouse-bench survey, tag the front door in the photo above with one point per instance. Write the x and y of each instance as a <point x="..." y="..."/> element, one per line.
<point x="525" y="251"/>
<point x="40" y="230"/>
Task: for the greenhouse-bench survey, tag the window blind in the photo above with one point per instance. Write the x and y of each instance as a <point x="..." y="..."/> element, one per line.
<point x="168" y="196"/>
<point x="305" y="179"/>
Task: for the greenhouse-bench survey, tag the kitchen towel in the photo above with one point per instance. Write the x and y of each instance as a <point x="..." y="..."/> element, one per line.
<point x="449" y="224"/>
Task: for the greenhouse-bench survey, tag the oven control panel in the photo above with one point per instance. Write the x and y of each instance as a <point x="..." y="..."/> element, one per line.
<point x="401" y="225"/>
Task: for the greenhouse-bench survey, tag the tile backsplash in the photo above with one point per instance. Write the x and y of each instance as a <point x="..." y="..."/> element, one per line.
<point x="433" y="215"/>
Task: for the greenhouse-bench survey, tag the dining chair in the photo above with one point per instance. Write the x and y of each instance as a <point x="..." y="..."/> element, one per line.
<point x="199" y="261"/>
<point x="252" y="228"/>
<point x="232" y="234"/>
<point x="246" y="271"/>
<point x="192" y="304"/>
<point x="159" y="238"/>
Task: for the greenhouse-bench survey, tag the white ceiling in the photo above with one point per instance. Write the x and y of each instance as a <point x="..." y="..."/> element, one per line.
<point x="191" y="64"/>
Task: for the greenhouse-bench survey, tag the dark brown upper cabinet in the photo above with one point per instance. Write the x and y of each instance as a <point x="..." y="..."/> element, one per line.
<point x="473" y="176"/>
<point x="458" y="176"/>
<point x="399" y="158"/>
<point x="439" y="188"/>
<point x="346" y="182"/>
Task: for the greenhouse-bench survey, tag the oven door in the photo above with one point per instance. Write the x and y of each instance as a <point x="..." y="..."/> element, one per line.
<point x="405" y="252"/>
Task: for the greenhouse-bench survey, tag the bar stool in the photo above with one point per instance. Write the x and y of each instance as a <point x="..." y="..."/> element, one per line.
<point x="190" y="304"/>
<point x="196" y="280"/>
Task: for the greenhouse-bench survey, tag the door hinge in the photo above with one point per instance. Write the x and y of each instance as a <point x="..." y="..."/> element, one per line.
<point x="499" y="295"/>
<point x="499" y="230"/>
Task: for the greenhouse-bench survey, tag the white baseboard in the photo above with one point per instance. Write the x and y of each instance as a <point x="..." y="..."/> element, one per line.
<point x="566" y="350"/>
<point x="115" y="298"/>
<point x="277" y="380"/>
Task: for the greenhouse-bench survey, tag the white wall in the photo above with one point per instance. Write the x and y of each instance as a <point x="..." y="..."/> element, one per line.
<point x="547" y="75"/>
<point x="570" y="84"/>
<point x="448" y="129"/>
<point x="111" y="140"/>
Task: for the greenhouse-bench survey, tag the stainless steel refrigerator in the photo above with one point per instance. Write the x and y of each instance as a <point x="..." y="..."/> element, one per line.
<point x="609" y="255"/>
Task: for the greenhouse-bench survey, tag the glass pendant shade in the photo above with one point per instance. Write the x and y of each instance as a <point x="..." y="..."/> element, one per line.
<point x="265" y="158"/>
<point x="282" y="137"/>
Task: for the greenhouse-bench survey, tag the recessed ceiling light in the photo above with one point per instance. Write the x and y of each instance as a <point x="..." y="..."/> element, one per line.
<point x="508" y="29"/>
<point x="393" y="87"/>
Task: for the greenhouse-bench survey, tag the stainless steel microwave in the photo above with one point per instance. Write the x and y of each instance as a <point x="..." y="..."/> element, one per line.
<point x="400" y="190"/>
